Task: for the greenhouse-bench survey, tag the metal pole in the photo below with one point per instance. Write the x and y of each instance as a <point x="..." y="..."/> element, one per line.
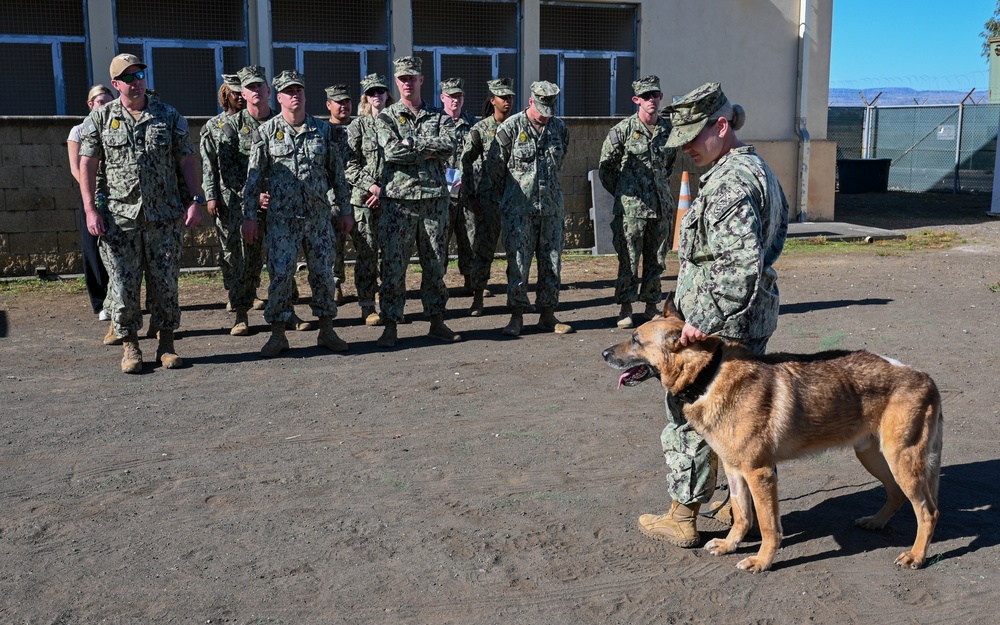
<point x="958" y="147"/>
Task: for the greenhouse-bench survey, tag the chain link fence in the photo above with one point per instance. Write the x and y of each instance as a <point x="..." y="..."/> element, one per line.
<point x="932" y="148"/>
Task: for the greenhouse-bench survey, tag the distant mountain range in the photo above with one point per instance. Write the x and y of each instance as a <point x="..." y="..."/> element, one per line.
<point x="903" y="95"/>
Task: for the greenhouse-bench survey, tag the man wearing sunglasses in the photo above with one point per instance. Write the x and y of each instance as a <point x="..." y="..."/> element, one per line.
<point x="143" y="144"/>
<point x="635" y="168"/>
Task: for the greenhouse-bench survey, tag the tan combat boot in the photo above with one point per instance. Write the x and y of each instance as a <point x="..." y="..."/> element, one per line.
<point x="677" y="527"/>
<point x="132" y="358"/>
<point x="328" y="336"/>
<point x="277" y="343"/>
<point x="111" y="338"/>
<point x="625" y="316"/>
<point x="516" y="323"/>
<point x="296" y="323"/>
<point x="165" y="352"/>
<point x="476" y="310"/>
<point x="547" y="321"/>
<point x="258" y="304"/>
<point x="388" y="338"/>
<point x="370" y="317"/>
<point x="242" y="325"/>
<point x="441" y="331"/>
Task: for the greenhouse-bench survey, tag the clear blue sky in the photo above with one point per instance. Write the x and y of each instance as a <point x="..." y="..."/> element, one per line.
<point x="922" y="44"/>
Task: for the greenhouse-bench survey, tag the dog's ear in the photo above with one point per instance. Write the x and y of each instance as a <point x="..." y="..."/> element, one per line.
<point x="669" y="310"/>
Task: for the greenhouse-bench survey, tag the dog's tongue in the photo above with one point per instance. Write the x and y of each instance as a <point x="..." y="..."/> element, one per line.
<point x="631" y="372"/>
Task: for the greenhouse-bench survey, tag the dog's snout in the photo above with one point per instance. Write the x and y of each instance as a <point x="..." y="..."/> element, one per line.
<point x="607" y="353"/>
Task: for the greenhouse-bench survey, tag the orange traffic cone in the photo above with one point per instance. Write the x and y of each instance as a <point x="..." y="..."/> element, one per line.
<point x="683" y="203"/>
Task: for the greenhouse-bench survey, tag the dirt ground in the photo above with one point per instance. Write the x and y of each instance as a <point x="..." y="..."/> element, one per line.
<point x="491" y="481"/>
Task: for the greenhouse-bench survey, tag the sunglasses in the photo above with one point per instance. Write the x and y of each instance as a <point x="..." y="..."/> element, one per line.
<point x="128" y="78"/>
<point x="651" y="95"/>
<point x="375" y="91"/>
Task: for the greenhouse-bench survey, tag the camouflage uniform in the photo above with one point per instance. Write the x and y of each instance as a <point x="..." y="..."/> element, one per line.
<point x="635" y="168"/>
<point x="484" y="230"/>
<point x="460" y="221"/>
<point x="305" y="178"/>
<point x="229" y="207"/>
<point x="730" y="239"/>
<point x="415" y="204"/>
<point x="234" y="160"/>
<point x="141" y="161"/>
<point x="339" y="93"/>
<point x="363" y="170"/>
<point x="532" y="200"/>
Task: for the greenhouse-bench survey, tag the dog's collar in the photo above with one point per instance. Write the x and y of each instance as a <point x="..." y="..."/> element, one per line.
<point x="696" y="389"/>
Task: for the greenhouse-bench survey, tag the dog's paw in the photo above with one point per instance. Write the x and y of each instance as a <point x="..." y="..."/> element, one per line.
<point x="870" y="522"/>
<point x="909" y="560"/>
<point x="753" y="564"/>
<point x="719" y="547"/>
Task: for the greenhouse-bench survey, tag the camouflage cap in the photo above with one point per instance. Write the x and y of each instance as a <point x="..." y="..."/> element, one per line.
<point x="122" y="62"/>
<point x="407" y="66"/>
<point x="252" y="74"/>
<point x="690" y="114"/>
<point x="288" y="78"/>
<point x="544" y="95"/>
<point x="373" y="81"/>
<point x="501" y="86"/>
<point x="646" y="84"/>
<point x="232" y="81"/>
<point x="452" y="86"/>
<point x="338" y="93"/>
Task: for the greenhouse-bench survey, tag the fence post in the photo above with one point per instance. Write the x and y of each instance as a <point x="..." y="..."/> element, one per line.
<point x="958" y="148"/>
<point x="866" y="130"/>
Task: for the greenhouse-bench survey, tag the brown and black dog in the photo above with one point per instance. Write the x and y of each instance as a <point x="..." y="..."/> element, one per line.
<point x="755" y="411"/>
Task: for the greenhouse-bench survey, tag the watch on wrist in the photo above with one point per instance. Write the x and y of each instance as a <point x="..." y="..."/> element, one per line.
<point x="197" y="199"/>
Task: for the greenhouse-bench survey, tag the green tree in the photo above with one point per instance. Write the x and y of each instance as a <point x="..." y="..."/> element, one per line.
<point x="991" y="29"/>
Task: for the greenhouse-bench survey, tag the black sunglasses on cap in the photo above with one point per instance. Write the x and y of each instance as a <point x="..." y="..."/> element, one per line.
<point x="375" y="91"/>
<point x="128" y="78"/>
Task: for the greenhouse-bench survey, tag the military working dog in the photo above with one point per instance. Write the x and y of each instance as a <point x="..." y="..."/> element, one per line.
<point x="755" y="411"/>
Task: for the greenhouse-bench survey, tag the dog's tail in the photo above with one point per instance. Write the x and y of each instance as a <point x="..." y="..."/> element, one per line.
<point x="934" y="445"/>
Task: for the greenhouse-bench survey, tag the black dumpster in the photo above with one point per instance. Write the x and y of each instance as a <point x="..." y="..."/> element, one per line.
<point x="863" y="175"/>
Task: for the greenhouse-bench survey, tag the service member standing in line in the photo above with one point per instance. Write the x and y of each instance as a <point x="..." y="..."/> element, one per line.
<point x="364" y="173"/>
<point x="460" y="219"/>
<point x="417" y="140"/>
<point x="477" y="191"/>
<point x="223" y="204"/>
<point x="143" y="143"/>
<point x="296" y="161"/>
<point x="532" y="145"/>
<point x="234" y="144"/>
<point x="730" y="239"/>
<point x="635" y="168"/>
<point x="340" y="105"/>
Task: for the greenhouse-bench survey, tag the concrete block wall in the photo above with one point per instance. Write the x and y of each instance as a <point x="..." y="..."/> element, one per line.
<point x="39" y="200"/>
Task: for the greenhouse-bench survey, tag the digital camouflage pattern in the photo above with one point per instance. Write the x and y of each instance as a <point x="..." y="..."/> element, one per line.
<point x="691" y="464"/>
<point x="246" y="259"/>
<point x="415" y="202"/>
<point x="544" y="94"/>
<point x="338" y="93"/>
<point x="452" y="86"/>
<point x="409" y="174"/>
<point x="340" y="139"/>
<point x="484" y="229"/>
<point x="141" y="158"/>
<point x="364" y="169"/>
<point x="501" y="86"/>
<point x="304" y="175"/>
<point x="228" y="221"/>
<point x="531" y="204"/>
<point x="730" y="239"/>
<point x="140" y="162"/>
<point x="635" y="168"/>
<point x="691" y="113"/>
<point x="461" y="221"/>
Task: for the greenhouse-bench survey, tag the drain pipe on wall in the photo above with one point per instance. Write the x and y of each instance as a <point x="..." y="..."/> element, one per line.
<point x="802" y="106"/>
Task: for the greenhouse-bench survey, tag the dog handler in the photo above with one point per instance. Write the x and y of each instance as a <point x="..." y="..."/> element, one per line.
<point x="728" y="243"/>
